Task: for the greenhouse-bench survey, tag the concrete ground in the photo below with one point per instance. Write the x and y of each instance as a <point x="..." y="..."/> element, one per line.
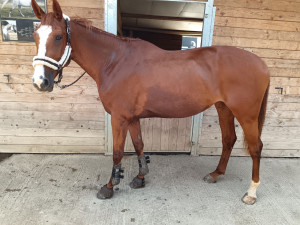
<point x="61" y="189"/>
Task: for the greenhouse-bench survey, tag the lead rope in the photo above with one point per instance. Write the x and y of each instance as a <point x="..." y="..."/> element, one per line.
<point x="67" y="85"/>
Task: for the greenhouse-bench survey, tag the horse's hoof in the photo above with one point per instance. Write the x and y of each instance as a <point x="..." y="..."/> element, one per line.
<point x="249" y="200"/>
<point x="209" y="179"/>
<point x="105" y="192"/>
<point x="137" y="183"/>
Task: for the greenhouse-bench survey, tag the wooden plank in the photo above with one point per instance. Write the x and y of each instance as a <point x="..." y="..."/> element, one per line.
<point x="173" y="135"/>
<point x="287" y="81"/>
<point x="53" y="107"/>
<point x="274" y="53"/>
<point x="32" y="44"/>
<point x="12" y="59"/>
<point x="270" y="122"/>
<point x="84" y="12"/>
<point x="57" y="116"/>
<point x="242" y="152"/>
<point x="183" y="134"/>
<point x="46" y="132"/>
<point x="286" y="90"/>
<point x="269" y="134"/>
<point x="45" y="123"/>
<point x="188" y="138"/>
<point x="291" y="90"/>
<point x="29" y="88"/>
<point x="69" y="76"/>
<point x="257" y="14"/>
<point x="58" y="141"/>
<point x="31" y="97"/>
<point x="282" y="63"/>
<point x="284" y="106"/>
<point x="128" y="144"/>
<point x="156" y="134"/>
<point x="78" y="3"/>
<point x="28" y="70"/>
<point x="287" y="114"/>
<point x="214" y="128"/>
<point x="165" y="128"/>
<point x="286" y="72"/>
<point x="13" y="148"/>
<point x="17" y="49"/>
<point x="267" y="145"/>
<point x="282" y="5"/>
<point x="146" y="126"/>
<point x="265" y="34"/>
<point x="256" y="43"/>
<point x="257" y="24"/>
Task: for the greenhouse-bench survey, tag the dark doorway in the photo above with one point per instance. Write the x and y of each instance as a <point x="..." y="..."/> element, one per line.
<point x="167" y="24"/>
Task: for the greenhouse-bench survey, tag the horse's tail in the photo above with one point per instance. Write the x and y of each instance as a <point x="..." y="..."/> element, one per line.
<point x="262" y="115"/>
<point x="263" y="109"/>
<point x="4" y="3"/>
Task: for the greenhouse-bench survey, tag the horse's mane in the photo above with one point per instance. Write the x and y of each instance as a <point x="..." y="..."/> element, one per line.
<point x="49" y="18"/>
<point x="89" y="26"/>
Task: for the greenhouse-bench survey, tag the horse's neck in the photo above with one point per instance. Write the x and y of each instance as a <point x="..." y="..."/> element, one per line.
<point x="93" y="51"/>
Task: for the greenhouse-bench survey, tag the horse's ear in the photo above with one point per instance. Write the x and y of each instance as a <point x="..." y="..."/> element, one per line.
<point x="39" y="13"/>
<point x="57" y="10"/>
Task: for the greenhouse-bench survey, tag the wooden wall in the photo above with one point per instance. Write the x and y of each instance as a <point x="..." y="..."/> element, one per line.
<point x="270" y="29"/>
<point x="71" y="120"/>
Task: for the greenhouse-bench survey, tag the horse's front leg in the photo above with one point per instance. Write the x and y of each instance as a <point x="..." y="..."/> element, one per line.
<point x="119" y="130"/>
<point x="11" y="10"/>
<point x="137" y="141"/>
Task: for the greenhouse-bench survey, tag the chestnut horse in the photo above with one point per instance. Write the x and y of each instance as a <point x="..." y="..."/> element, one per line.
<point x="136" y="79"/>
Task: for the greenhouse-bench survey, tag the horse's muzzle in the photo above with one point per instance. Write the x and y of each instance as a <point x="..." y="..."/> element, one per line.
<point x="43" y="84"/>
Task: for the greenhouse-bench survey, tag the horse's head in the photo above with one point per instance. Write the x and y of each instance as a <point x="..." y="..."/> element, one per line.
<point x="53" y="49"/>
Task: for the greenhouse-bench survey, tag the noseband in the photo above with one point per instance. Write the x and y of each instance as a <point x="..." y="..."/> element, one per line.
<point x="58" y="65"/>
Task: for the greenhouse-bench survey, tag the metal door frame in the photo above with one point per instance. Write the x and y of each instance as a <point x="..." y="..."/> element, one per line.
<point x="207" y="36"/>
<point x="111" y="18"/>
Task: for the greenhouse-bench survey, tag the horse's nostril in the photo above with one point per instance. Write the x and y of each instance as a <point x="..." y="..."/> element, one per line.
<point x="35" y="85"/>
<point x="45" y="83"/>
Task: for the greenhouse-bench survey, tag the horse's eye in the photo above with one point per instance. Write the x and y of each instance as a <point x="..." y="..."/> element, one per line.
<point x="58" y="37"/>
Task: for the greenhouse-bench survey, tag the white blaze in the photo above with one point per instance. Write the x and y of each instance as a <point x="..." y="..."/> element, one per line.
<point x="39" y="71"/>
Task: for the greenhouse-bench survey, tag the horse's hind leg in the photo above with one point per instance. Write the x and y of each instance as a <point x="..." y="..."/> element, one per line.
<point x="255" y="146"/>
<point x="226" y="120"/>
<point x="137" y="141"/>
<point x="19" y="9"/>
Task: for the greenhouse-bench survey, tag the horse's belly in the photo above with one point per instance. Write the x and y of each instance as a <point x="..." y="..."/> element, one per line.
<point x="177" y="111"/>
<point x="178" y="104"/>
